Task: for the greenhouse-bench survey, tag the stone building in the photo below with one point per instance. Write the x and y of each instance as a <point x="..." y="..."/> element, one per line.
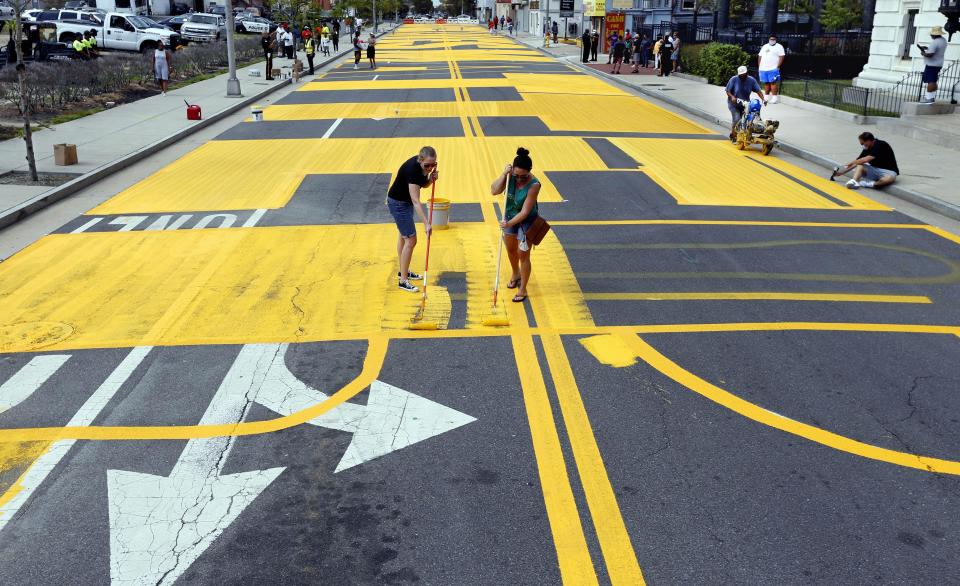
<point x="898" y="26"/>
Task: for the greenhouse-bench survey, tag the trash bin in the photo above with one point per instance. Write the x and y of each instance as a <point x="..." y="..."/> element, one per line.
<point x="441" y="213"/>
<point x="257" y="113"/>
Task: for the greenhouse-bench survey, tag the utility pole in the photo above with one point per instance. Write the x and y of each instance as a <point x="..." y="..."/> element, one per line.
<point x="233" y="84"/>
<point x="374" y="16"/>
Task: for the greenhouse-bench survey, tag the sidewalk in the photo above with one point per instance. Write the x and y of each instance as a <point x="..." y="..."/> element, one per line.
<point x="930" y="172"/>
<point x="109" y="140"/>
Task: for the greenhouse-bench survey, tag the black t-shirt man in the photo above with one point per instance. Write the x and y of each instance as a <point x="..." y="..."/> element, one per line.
<point x="410" y="173"/>
<point x="883" y="157"/>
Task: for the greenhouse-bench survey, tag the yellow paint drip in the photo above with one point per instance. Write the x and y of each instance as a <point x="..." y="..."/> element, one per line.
<point x="610" y="350"/>
<point x="15" y="459"/>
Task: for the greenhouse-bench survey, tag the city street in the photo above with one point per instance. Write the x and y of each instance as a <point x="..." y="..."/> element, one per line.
<point x="729" y="369"/>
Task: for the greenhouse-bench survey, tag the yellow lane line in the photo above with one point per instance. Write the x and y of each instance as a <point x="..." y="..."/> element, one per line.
<point x="731" y="223"/>
<point x="618" y="553"/>
<point x="372" y="363"/>
<point x="576" y="566"/>
<point x="755" y="296"/>
<point x="684" y="377"/>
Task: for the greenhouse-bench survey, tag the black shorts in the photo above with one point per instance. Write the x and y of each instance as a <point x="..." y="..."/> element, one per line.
<point x="931" y="74"/>
<point x="371" y="52"/>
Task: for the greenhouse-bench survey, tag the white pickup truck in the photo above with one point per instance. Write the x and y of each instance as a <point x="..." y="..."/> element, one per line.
<point x="124" y="32"/>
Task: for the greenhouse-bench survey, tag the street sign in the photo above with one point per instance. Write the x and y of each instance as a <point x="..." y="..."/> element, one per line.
<point x="566" y="8"/>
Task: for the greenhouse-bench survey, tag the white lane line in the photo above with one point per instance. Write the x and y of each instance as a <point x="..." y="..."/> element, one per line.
<point x="45" y="464"/>
<point x="254" y="218"/>
<point x="28" y="379"/>
<point x="86" y="226"/>
<point x="332" y="128"/>
<point x="375" y="77"/>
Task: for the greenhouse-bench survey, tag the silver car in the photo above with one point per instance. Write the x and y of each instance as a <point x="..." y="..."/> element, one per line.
<point x="203" y="27"/>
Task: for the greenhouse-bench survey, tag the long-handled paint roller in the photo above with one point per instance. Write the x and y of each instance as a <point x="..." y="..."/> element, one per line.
<point x="498" y="320"/>
<point x="417" y="322"/>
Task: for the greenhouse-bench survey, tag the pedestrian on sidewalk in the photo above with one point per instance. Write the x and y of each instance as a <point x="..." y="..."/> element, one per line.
<point x="162" y="66"/>
<point x="518" y="216"/>
<point x="611" y="41"/>
<point x="309" y="47"/>
<point x="555" y="29"/>
<point x="372" y="50"/>
<point x="666" y="57"/>
<point x="739" y="89"/>
<point x="635" y="53"/>
<point x="675" y="54"/>
<point x="594" y="45"/>
<point x="769" y="60"/>
<point x="618" y="51"/>
<point x="585" y="45"/>
<point x="335" y="39"/>
<point x="357" y="50"/>
<point x="875" y="167"/>
<point x="268" y="42"/>
<point x="933" y="63"/>
<point x="656" y="55"/>
<point x="403" y="201"/>
<point x="510" y="26"/>
<point x="645" y="50"/>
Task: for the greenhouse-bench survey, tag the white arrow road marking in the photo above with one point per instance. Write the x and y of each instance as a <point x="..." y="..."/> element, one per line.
<point x="392" y="418"/>
<point x="160" y="525"/>
<point x="28" y="379"/>
<point x="45" y="464"/>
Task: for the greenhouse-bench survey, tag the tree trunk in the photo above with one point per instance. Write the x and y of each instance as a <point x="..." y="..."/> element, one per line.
<point x="24" y="103"/>
<point x="723" y="12"/>
<point x="869" y="9"/>
<point x="815" y="17"/>
<point x="771" y="11"/>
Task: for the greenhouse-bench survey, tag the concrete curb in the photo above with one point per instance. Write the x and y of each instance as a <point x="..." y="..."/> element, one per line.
<point x="58" y="193"/>
<point x="923" y="200"/>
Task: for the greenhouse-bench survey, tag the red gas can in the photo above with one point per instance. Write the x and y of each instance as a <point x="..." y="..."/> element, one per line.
<point x="193" y="112"/>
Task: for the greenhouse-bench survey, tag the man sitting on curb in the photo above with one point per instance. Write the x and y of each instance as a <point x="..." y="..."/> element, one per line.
<point x="875" y="167"/>
<point x="739" y="89"/>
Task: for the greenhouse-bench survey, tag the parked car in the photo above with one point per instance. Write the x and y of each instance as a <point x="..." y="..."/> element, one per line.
<point x="30" y="15"/>
<point x="179" y="8"/>
<point x="90" y="16"/>
<point x="204" y="27"/>
<point x="218" y="10"/>
<point x="124" y="32"/>
<point x="7" y="12"/>
<point x="174" y="22"/>
<point x="254" y="25"/>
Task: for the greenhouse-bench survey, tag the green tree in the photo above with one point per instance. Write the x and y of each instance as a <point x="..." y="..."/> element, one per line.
<point x="740" y="9"/>
<point x="841" y="14"/>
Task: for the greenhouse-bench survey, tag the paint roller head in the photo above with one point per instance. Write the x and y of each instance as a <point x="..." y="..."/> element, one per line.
<point x="495" y="322"/>
<point x="423" y="325"/>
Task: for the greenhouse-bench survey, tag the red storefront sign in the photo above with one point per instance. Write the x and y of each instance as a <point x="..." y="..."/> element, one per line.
<point x="616" y="23"/>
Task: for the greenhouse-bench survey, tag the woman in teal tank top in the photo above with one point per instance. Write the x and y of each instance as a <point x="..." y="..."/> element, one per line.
<point x="522" y="191"/>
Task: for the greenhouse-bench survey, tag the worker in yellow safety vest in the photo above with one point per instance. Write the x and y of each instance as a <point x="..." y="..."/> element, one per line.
<point x="80" y="49"/>
<point x="310" y="47"/>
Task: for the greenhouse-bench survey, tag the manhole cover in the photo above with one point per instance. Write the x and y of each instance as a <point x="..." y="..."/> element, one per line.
<point x="30" y="336"/>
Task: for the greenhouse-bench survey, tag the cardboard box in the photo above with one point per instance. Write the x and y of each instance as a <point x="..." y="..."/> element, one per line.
<point x="65" y="154"/>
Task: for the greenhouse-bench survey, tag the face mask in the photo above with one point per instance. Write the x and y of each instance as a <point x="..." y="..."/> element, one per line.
<point x="772" y="43"/>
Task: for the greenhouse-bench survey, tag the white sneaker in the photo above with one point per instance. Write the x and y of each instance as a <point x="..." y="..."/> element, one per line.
<point x="852" y="184"/>
<point x="928" y="101"/>
<point x="775" y="99"/>
<point x="355" y="66"/>
<point x="866" y="183"/>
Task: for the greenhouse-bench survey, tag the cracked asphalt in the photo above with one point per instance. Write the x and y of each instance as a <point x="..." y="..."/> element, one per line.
<point x="726" y="372"/>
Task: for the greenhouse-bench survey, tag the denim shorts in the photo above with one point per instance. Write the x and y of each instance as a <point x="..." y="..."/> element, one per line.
<point x="519" y="230"/>
<point x="931" y="74"/>
<point x="402" y="212"/>
<point x="871" y="173"/>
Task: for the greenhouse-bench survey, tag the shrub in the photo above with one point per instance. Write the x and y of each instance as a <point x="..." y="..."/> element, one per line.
<point x="718" y="61"/>
<point x="690" y="55"/>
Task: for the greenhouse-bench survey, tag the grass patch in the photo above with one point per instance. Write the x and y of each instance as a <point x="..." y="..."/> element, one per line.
<point x="61" y="118"/>
<point x="210" y="74"/>
<point x="828" y="93"/>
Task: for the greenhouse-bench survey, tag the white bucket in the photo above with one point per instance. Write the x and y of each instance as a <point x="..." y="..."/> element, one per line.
<point x="257" y="112"/>
<point x="441" y="213"/>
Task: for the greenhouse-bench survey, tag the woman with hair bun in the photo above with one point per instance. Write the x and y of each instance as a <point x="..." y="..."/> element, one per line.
<point x="518" y="215"/>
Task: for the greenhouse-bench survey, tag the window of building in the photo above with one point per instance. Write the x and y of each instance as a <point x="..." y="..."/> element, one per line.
<point x="687" y="4"/>
<point x="910" y="35"/>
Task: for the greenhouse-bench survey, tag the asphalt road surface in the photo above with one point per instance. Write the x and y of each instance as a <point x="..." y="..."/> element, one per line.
<point x="729" y="369"/>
